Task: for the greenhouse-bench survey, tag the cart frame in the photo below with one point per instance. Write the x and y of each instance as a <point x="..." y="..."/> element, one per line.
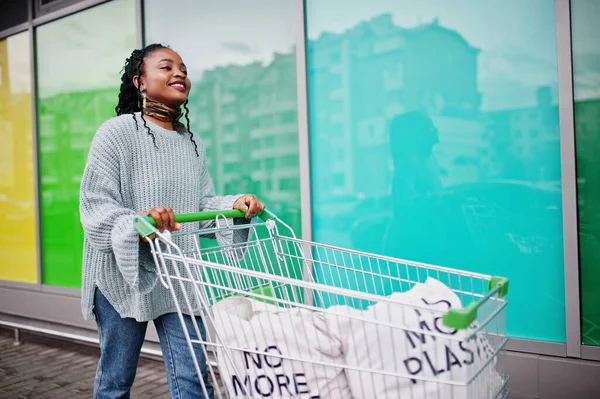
<point x="295" y="273"/>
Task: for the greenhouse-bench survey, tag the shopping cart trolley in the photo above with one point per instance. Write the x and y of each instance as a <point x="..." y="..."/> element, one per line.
<point x="278" y="316"/>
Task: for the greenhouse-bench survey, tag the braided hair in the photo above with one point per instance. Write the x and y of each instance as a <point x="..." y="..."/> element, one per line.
<point x="130" y="97"/>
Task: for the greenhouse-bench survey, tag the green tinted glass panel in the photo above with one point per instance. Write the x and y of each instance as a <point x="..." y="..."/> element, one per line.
<point x="78" y="62"/>
<point x="586" y="75"/>
<point x="242" y="65"/>
<point x="434" y="136"/>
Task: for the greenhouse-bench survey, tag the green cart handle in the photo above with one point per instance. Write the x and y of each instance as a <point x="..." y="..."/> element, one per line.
<point x="459" y="319"/>
<point x="146" y="225"/>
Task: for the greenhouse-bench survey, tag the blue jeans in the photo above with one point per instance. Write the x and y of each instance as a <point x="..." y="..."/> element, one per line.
<point x="120" y="344"/>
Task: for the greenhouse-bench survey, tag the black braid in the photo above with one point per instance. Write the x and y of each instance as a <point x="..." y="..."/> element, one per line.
<point x="148" y="129"/>
<point x="187" y="120"/>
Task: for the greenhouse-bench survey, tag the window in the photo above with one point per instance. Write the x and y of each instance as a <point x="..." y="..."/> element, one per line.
<point x="243" y="56"/>
<point x="17" y="210"/>
<point x="586" y="77"/>
<point x="78" y="64"/>
<point x="451" y="60"/>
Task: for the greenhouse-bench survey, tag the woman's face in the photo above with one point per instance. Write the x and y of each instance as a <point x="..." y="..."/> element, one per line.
<point x="165" y="78"/>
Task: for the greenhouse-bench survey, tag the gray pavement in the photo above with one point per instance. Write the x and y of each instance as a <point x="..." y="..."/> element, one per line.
<point x="44" y="367"/>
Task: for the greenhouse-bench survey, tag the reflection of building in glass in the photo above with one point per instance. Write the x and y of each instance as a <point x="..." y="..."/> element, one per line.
<point x="429" y="69"/>
<point x="441" y="80"/>
<point x="247" y="117"/>
<point x="432" y="70"/>
<point x="330" y="120"/>
<point x="218" y="114"/>
<point x="526" y="141"/>
<point x="246" y="114"/>
<point x="67" y="123"/>
<point x="274" y="132"/>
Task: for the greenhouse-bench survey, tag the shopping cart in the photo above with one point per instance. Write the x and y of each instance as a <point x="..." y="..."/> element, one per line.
<point x="277" y="316"/>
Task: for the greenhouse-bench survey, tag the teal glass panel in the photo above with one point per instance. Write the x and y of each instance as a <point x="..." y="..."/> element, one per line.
<point x="434" y="137"/>
<point x="586" y="75"/>
<point x="78" y="62"/>
<point x="241" y="60"/>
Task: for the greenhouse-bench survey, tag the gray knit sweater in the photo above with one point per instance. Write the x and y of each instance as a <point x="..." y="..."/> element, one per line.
<point x="126" y="173"/>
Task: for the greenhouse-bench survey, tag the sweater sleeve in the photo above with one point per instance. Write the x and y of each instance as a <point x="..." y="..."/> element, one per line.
<point x="211" y="202"/>
<point x="107" y="223"/>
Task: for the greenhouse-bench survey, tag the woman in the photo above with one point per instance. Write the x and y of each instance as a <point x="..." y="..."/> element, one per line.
<point x="144" y="161"/>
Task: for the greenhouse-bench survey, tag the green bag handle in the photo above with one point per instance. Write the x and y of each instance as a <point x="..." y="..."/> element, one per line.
<point x="146" y="226"/>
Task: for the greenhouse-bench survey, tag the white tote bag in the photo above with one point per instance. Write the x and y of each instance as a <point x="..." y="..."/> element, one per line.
<point x="290" y="333"/>
<point x="382" y="348"/>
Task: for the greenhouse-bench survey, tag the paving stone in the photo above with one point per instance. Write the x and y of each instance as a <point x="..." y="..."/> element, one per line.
<point x="44" y="367"/>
